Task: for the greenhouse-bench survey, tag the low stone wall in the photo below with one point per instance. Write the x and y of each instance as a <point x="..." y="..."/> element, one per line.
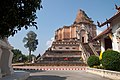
<point x="49" y="68"/>
<point x="105" y="73"/>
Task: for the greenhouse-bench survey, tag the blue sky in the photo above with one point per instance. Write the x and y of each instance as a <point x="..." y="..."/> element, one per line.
<point x="57" y="13"/>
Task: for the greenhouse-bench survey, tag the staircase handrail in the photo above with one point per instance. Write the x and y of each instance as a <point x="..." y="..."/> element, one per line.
<point x="93" y="49"/>
<point x="86" y="53"/>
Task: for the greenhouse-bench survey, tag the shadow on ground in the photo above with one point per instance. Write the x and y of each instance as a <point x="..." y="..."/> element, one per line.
<point x="46" y="77"/>
<point x="34" y="71"/>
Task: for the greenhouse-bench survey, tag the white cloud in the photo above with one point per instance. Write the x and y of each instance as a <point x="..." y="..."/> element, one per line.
<point x="49" y="42"/>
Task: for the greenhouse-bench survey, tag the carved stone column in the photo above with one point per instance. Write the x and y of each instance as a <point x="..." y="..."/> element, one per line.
<point x="10" y="62"/>
<point x="6" y="58"/>
<point x="10" y="56"/>
<point x="5" y="61"/>
<point x="0" y="61"/>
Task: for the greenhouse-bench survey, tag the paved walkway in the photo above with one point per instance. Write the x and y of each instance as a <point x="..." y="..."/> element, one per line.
<point x="59" y="73"/>
<point x="17" y="75"/>
<point x="63" y="75"/>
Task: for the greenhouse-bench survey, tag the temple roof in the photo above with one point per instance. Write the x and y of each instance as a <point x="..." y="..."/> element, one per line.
<point x="82" y="17"/>
<point x="112" y="18"/>
<point x="106" y="31"/>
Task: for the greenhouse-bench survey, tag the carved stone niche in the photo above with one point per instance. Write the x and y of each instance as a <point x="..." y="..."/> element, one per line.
<point x="5" y="58"/>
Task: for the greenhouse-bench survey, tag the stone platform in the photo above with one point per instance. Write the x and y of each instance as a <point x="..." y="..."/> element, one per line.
<point x="17" y="75"/>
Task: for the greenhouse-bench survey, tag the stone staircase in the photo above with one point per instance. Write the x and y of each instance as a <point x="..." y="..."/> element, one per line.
<point x="88" y="48"/>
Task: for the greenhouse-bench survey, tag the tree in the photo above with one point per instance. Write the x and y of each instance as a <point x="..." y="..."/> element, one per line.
<point x="16" y="14"/>
<point x="17" y="55"/>
<point x="93" y="61"/>
<point x="30" y="42"/>
<point x="24" y="58"/>
<point x="111" y="60"/>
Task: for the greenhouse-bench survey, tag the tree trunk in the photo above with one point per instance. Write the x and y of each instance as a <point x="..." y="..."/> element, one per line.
<point x="29" y="56"/>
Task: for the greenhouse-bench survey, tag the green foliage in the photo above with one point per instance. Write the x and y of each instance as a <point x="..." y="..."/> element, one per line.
<point x="111" y="60"/>
<point x="18" y="56"/>
<point x="24" y="58"/>
<point x="93" y="61"/>
<point x="16" y="14"/>
<point x="30" y="42"/>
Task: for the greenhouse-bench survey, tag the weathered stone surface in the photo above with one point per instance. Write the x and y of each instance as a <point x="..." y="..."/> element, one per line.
<point x="114" y="75"/>
<point x="5" y="57"/>
<point x="82" y="17"/>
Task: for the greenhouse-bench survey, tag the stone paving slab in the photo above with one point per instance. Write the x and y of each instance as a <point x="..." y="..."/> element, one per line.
<point x="64" y="75"/>
<point x="17" y="75"/>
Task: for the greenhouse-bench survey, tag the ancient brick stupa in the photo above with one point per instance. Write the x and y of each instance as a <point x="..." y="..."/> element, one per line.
<point x="73" y="43"/>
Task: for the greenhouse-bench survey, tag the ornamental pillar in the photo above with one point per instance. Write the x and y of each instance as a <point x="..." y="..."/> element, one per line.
<point x="6" y="58"/>
<point x="0" y="61"/>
